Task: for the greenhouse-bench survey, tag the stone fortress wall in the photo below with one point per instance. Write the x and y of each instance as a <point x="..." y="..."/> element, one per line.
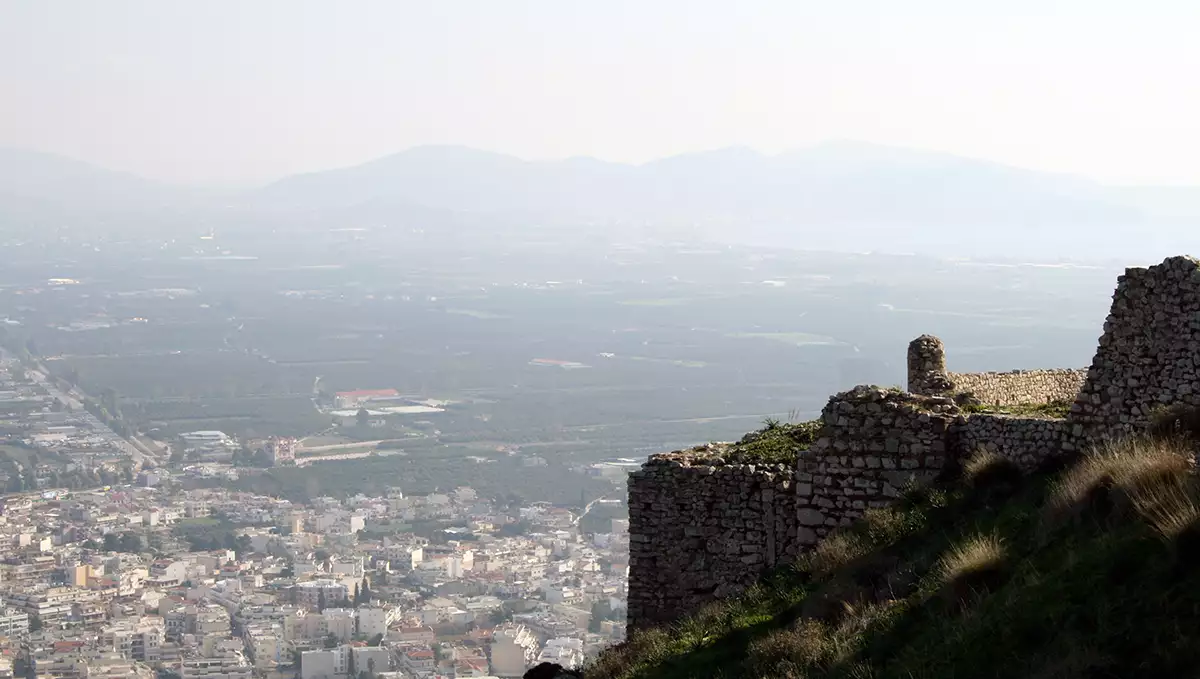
<point x="927" y="375"/>
<point x="701" y="530"/>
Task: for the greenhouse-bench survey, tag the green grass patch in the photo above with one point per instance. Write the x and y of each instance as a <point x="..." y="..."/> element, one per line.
<point x="955" y="581"/>
<point x="776" y="443"/>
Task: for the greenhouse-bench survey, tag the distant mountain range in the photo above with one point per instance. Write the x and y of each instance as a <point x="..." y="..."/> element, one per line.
<point x="838" y="194"/>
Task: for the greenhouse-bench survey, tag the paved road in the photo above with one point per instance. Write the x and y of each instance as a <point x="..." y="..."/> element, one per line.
<point x="588" y="508"/>
<point x="74" y="400"/>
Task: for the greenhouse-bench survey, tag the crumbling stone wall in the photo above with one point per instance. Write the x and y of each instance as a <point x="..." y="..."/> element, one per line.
<point x="1020" y="387"/>
<point x="873" y="443"/>
<point x="1148" y="356"/>
<point x="700" y="530"/>
<point x="927" y="375"/>
<point x="1027" y="441"/>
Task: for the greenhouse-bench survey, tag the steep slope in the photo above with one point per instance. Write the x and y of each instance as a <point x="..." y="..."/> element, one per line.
<point x="1084" y="572"/>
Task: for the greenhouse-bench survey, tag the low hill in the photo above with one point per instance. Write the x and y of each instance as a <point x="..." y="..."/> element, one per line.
<point x="36" y="182"/>
<point x="1089" y="570"/>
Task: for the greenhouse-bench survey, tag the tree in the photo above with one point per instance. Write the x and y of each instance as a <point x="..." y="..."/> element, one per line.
<point x="361" y="417"/>
<point x="331" y="641"/>
<point x="243" y="545"/>
<point x="371" y="665"/>
<point x="320" y="600"/>
<point x="111" y="542"/>
<point x="357" y="595"/>
<point x="130" y="542"/>
<point x="366" y="591"/>
<point x="375" y="641"/>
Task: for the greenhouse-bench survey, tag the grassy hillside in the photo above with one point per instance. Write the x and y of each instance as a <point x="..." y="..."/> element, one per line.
<point x="1091" y="570"/>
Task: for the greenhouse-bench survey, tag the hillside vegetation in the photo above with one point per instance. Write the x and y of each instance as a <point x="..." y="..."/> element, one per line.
<point x="1088" y="570"/>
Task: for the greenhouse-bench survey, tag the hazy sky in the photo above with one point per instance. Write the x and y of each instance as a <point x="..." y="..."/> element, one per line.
<point x="236" y="91"/>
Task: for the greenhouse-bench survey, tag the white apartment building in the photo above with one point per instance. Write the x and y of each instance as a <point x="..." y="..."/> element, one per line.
<point x="327" y="664"/>
<point x="564" y="651"/>
<point x="228" y="665"/>
<point x="514" y="650"/>
<point x="308" y="594"/>
<point x="340" y="622"/>
<point x="372" y="621"/>
<point x="13" y="622"/>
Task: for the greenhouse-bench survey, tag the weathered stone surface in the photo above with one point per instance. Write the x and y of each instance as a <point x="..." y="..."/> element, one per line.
<point x="1026" y="441"/>
<point x="1021" y="386"/>
<point x="873" y="443"/>
<point x="1148" y="356"/>
<point x="710" y="529"/>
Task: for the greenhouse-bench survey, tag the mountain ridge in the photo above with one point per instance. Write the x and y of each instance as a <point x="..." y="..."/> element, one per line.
<point x="836" y="194"/>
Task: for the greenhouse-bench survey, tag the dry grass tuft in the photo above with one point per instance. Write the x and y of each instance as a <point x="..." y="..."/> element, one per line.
<point x="621" y="660"/>
<point x="1117" y="476"/>
<point x="812" y="646"/>
<point x="834" y="553"/>
<point x="1169" y="505"/>
<point x="987" y="471"/>
<point x="973" y="566"/>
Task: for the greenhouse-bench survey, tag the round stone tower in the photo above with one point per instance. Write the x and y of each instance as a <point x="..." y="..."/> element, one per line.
<point x="927" y="367"/>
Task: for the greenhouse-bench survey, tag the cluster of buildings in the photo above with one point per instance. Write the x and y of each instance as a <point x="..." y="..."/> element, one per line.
<point x="101" y="582"/>
<point x="132" y="576"/>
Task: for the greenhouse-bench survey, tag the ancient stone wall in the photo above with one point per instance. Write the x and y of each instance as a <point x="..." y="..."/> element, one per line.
<point x="1027" y="441"/>
<point x="700" y="530"/>
<point x="873" y="443"/>
<point x="1021" y="386"/>
<point x="927" y="375"/>
<point x="1149" y="355"/>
